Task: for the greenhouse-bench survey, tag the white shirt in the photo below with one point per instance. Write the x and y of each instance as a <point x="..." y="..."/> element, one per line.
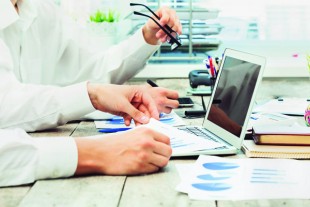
<point x="47" y="49"/>
<point x="34" y="107"/>
<point x="37" y="48"/>
<point x="24" y="159"/>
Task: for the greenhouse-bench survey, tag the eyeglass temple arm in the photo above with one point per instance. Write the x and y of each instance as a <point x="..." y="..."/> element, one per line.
<point x="166" y="26"/>
<point x="161" y="27"/>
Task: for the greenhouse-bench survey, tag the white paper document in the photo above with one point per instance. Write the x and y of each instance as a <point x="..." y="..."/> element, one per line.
<point x="181" y="141"/>
<point x="171" y="119"/>
<point x="270" y="119"/>
<point x="216" y="178"/>
<point x="290" y="106"/>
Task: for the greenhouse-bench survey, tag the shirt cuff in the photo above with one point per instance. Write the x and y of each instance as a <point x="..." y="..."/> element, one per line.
<point x="58" y="157"/>
<point x="77" y="102"/>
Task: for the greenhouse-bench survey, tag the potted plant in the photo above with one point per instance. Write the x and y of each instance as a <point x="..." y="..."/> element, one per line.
<point x="104" y="25"/>
<point x="105" y="22"/>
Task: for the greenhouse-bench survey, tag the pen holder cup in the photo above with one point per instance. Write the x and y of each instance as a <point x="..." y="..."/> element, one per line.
<point x="212" y="79"/>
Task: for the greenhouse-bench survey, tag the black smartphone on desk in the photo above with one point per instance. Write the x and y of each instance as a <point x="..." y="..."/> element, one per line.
<point x="185" y="102"/>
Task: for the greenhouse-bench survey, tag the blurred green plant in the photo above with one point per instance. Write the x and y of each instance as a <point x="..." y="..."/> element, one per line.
<point x="101" y="16"/>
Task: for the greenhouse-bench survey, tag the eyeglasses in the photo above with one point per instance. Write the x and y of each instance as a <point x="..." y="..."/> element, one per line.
<point x="173" y="37"/>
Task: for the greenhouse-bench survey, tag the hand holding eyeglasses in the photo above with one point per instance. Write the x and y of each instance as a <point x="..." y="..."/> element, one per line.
<point x="163" y="25"/>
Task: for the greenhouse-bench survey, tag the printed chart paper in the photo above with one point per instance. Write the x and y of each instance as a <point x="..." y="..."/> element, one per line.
<point x="181" y="141"/>
<point x="171" y="119"/>
<point x="216" y="178"/>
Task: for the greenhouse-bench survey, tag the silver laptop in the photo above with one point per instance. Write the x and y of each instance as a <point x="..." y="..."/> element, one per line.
<point x="231" y="103"/>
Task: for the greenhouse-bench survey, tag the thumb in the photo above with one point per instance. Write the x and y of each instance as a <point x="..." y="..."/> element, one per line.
<point x="137" y="115"/>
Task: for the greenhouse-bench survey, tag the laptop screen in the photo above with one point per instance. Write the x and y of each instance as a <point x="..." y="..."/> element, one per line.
<point x="233" y="94"/>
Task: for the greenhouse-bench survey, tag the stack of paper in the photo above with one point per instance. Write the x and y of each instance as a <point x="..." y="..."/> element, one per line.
<point x="290" y="106"/>
<point x="216" y="178"/>
<point x="265" y="118"/>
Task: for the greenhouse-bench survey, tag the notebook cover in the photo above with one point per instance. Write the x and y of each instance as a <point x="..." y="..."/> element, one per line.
<point x="267" y="151"/>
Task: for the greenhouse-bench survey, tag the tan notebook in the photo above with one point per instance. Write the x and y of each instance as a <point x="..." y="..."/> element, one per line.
<point x="274" y="151"/>
<point x="281" y="135"/>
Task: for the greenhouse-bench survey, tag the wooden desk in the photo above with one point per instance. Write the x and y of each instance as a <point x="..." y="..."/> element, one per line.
<point x="156" y="189"/>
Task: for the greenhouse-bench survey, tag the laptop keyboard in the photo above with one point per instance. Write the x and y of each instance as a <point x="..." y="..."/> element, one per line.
<point x="201" y="133"/>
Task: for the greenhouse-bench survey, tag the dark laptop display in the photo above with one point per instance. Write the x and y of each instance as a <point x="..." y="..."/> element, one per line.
<point x="233" y="94"/>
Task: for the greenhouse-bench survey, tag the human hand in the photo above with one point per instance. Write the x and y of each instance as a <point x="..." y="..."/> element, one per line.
<point x="130" y="102"/>
<point x="137" y="151"/>
<point x="165" y="99"/>
<point x="152" y="33"/>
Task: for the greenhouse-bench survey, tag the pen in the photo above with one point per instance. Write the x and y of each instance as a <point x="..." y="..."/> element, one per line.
<point x="112" y="130"/>
<point x="151" y="83"/>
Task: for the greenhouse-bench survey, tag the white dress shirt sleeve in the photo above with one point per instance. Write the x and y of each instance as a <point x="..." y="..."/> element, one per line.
<point x="57" y="51"/>
<point x="24" y="159"/>
<point x="36" y="107"/>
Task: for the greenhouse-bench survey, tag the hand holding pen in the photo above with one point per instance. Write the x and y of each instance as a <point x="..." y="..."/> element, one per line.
<point x="165" y="99"/>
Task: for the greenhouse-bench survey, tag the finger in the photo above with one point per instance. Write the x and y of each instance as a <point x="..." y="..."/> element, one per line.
<point x="150" y="168"/>
<point x="163" y="39"/>
<point x="137" y="115"/>
<point x="162" y="149"/>
<point x="160" y="137"/>
<point x="172" y="94"/>
<point x="127" y="120"/>
<point x="164" y="14"/>
<point x="172" y="19"/>
<point x="171" y="103"/>
<point x="161" y="35"/>
<point x="150" y="104"/>
<point x="166" y="110"/>
<point x="144" y="110"/>
<point x="159" y="160"/>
